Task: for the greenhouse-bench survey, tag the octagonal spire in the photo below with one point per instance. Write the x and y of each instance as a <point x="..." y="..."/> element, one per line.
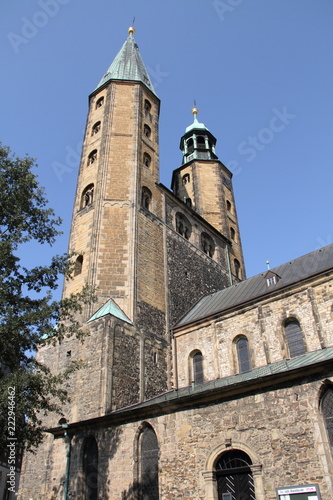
<point x="128" y="65"/>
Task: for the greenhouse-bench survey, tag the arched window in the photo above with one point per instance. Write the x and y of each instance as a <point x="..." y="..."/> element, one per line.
<point x="234" y="476"/>
<point x="188" y="202"/>
<point x="96" y="128"/>
<point x="243" y="354"/>
<point x="147" y="107"/>
<point x="90" y="468"/>
<point x="146" y="198"/>
<point x="190" y="146"/>
<point x="92" y="157"/>
<point x="228" y="206"/>
<point x="146" y="160"/>
<point x="186" y="179"/>
<point x="207" y="244"/>
<point x="147" y="131"/>
<point x="327" y="411"/>
<point x="201" y="142"/>
<point x="237" y="268"/>
<point x="294" y="337"/>
<point x="197" y="367"/>
<point x="78" y="265"/>
<point x="183" y="226"/>
<point x="232" y="233"/>
<point x="100" y="102"/>
<point x="87" y="196"/>
<point x="149" y="452"/>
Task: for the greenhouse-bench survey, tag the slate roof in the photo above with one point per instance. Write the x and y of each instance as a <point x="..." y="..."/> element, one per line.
<point x="309" y="359"/>
<point x="187" y="397"/>
<point x="287" y="274"/>
<point x="110" y="307"/>
<point x="128" y="65"/>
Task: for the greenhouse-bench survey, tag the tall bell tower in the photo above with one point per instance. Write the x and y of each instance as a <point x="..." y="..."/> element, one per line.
<point x="116" y="244"/>
<point x="204" y="183"/>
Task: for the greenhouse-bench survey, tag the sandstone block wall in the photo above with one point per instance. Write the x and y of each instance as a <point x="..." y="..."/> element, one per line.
<point x="281" y="430"/>
<point x="262" y="324"/>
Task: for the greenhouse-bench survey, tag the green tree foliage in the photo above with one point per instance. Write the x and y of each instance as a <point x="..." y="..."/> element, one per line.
<point x="29" y="316"/>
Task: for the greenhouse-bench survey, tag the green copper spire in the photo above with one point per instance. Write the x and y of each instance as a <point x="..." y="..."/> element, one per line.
<point x="128" y="65"/>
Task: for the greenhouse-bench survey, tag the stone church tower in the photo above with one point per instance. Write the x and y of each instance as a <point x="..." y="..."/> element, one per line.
<point x="197" y="383"/>
<point x="149" y="252"/>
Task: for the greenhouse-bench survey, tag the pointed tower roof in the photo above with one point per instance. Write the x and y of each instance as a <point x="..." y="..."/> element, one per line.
<point x="128" y="65"/>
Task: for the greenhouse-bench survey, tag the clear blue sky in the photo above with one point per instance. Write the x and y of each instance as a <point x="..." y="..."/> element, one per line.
<point x="260" y="71"/>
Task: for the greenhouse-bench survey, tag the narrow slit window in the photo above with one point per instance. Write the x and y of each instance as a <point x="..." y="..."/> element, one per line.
<point x="198" y="374"/>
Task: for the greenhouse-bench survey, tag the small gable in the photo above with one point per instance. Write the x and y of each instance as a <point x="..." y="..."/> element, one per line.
<point x="110" y="307"/>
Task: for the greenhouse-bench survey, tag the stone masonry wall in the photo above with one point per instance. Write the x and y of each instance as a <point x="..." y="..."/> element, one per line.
<point x="262" y="324"/>
<point x="280" y="429"/>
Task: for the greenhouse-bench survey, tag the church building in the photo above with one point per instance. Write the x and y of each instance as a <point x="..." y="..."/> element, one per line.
<point x="198" y="383"/>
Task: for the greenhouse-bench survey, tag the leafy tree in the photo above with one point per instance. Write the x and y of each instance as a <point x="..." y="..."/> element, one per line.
<point x="28" y="314"/>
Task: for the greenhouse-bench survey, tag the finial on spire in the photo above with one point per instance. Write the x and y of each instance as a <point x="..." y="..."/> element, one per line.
<point x="195" y="110"/>
<point x="267" y="264"/>
<point x="131" y="30"/>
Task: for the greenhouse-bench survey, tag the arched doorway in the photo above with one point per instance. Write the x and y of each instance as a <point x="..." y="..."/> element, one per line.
<point x="234" y="476"/>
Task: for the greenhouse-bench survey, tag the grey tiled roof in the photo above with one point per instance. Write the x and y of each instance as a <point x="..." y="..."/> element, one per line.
<point x="128" y="65"/>
<point x="252" y="288"/>
<point x="316" y="362"/>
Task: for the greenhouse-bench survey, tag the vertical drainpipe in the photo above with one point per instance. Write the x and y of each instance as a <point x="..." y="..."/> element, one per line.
<point x="228" y="262"/>
<point x="64" y="425"/>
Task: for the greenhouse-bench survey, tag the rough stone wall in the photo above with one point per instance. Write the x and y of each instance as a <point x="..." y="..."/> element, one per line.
<point x="262" y="324"/>
<point x="280" y="429"/>
<point x="209" y="186"/>
<point x="191" y="273"/>
<point x="156" y="355"/>
<point x="151" y="314"/>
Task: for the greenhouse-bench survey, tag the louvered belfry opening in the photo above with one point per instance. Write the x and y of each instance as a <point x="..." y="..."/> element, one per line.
<point x="149" y="452"/>
<point x="234" y="476"/>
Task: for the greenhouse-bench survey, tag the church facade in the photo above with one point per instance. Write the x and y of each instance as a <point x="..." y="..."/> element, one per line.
<point x="197" y="382"/>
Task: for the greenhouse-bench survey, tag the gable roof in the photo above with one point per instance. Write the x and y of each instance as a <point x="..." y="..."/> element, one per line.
<point x="253" y="288"/>
<point x="110" y="307"/>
